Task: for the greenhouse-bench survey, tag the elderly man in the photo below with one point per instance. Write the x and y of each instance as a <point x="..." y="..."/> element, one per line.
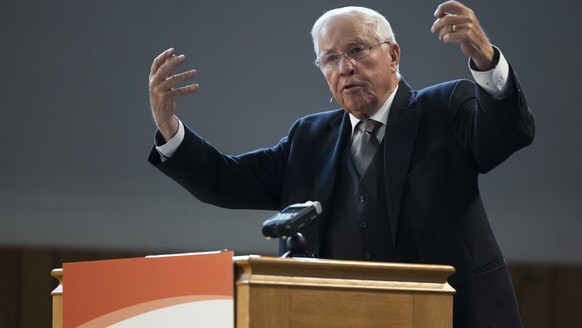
<point x="395" y="169"/>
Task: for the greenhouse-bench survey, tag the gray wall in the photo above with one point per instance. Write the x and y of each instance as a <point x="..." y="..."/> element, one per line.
<point x="77" y="128"/>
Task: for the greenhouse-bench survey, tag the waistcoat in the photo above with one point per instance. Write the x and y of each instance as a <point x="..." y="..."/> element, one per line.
<point x="358" y="227"/>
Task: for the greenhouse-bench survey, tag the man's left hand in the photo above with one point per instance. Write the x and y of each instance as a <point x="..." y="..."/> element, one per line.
<point x="457" y="23"/>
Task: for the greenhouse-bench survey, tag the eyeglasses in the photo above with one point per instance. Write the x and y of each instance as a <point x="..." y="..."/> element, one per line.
<point x="357" y="53"/>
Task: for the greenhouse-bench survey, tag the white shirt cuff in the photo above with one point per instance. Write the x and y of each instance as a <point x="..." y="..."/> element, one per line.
<point x="169" y="148"/>
<point x="493" y="81"/>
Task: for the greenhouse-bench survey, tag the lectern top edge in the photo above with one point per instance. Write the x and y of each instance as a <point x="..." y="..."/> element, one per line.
<point x="341" y="269"/>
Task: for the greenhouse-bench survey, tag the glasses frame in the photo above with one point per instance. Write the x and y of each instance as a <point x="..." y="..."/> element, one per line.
<point x="348" y="54"/>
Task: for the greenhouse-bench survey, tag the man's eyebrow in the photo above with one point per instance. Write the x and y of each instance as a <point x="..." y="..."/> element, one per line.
<point x="357" y="41"/>
<point x="353" y="42"/>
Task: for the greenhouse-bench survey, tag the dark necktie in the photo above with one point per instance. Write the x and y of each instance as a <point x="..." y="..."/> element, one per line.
<point x="365" y="144"/>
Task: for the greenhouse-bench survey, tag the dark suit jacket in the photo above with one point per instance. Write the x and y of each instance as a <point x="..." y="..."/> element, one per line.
<point x="437" y="141"/>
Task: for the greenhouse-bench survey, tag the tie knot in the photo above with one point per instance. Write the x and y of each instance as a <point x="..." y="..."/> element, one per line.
<point x="370" y="126"/>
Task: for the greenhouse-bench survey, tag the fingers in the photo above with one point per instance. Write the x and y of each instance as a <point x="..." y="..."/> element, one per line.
<point x="450" y="8"/>
<point x="452" y="17"/>
<point x="164" y="66"/>
<point x="161" y="59"/>
<point x="169" y="83"/>
<point x="178" y="78"/>
<point x="164" y="89"/>
<point x="456" y="23"/>
<point x="163" y="79"/>
<point x="451" y="27"/>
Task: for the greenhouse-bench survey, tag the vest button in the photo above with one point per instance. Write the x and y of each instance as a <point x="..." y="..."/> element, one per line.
<point x="363" y="225"/>
<point x="362" y="199"/>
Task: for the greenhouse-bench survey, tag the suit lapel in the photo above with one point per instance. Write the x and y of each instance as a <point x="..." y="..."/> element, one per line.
<point x="399" y="141"/>
<point x="328" y="148"/>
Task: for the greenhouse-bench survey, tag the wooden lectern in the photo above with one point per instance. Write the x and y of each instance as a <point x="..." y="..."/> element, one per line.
<point x="299" y="292"/>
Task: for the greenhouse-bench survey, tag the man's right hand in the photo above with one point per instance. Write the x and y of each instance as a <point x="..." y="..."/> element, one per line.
<point x="163" y="94"/>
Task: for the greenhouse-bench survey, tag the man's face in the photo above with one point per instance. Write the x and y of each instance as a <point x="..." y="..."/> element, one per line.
<point x="359" y="87"/>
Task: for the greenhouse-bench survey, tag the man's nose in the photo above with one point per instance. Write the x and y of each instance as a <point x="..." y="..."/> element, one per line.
<point x="346" y="66"/>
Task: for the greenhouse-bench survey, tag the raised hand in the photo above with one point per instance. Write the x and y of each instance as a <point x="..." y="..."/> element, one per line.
<point x="457" y="23"/>
<point x="163" y="90"/>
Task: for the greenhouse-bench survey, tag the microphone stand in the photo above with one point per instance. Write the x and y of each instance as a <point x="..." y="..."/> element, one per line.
<point x="296" y="246"/>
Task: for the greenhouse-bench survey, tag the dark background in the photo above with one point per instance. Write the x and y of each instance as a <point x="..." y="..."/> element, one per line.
<point x="77" y="129"/>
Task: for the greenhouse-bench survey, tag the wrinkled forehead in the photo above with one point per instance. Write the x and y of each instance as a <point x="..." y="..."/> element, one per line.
<point x="339" y="32"/>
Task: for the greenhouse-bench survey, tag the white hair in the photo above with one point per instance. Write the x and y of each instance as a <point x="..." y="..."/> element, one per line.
<point x="377" y="25"/>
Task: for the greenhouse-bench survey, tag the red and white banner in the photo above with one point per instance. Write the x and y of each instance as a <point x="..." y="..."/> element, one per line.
<point x="182" y="290"/>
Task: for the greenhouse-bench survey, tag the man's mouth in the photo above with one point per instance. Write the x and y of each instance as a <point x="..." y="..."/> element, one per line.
<point x="351" y="87"/>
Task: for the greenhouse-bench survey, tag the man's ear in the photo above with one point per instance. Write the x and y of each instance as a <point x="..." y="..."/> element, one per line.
<point x="395" y="53"/>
